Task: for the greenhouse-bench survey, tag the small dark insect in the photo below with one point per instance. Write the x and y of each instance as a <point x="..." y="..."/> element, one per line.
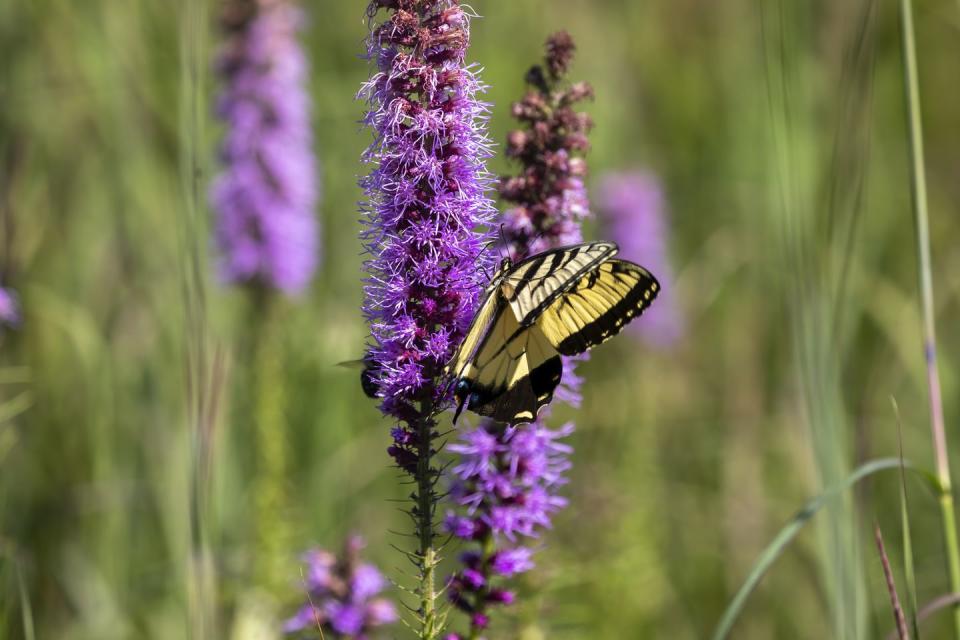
<point x="368" y="375"/>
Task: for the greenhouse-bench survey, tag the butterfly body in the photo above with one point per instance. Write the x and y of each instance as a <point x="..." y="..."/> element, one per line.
<point x="560" y="302"/>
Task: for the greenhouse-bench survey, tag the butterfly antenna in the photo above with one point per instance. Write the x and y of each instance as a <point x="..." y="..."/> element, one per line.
<point x="503" y="243"/>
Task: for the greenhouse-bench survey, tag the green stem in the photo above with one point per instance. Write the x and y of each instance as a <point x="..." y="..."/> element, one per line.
<point x="431" y="624"/>
<point x="919" y="194"/>
<point x="270" y="496"/>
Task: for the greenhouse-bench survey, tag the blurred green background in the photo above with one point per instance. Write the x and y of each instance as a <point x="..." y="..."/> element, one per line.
<point x="137" y="497"/>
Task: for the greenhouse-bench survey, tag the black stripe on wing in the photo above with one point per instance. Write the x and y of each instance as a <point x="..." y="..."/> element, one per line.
<point x="637" y="290"/>
<point x="517" y="403"/>
<point x="559" y="258"/>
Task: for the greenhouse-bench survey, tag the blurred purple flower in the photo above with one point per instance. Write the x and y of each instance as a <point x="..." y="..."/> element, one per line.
<point x="426" y="200"/>
<point x="266" y="193"/>
<point x="9" y="308"/>
<point x="508" y="478"/>
<point x="632" y="209"/>
<point x="342" y="595"/>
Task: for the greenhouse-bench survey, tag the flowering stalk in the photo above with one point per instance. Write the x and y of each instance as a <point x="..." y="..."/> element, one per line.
<point x="548" y="195"/>
<point x="265" y="195"/>
<point x="508" y="477"/>
<point x="631" y="209"/>
<point x="266" y="231"/>
<point x="425" y="202"/>
<point x="342" y="595"/>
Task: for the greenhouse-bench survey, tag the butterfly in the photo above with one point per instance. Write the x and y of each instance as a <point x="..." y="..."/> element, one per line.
<point x="560" y="302"/>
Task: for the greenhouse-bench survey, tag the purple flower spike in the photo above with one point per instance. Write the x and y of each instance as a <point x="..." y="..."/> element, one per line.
<point x="426" y="199"/>
<point x="9" y="308"/>
<point x="632" y="209"/>
<point x="265" y="195"/>
<point x="508" y="479"/>
<point x="426" y="202"/>
<point x="548" y="195"/>
<point x="343" y="595"/>
<point x="509" y="494"/>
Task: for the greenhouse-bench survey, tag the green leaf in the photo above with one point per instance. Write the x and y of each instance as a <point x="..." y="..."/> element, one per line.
<point x="908" y="568"/>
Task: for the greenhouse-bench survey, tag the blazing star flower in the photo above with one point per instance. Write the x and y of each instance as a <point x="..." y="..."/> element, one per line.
<point x="265" y="196"/>
<point x="508" y="478"/>
<point x="9" y="308"/>
<point x="548" y="195"/>
<point x="425" y="204"/>
<point x="342" y="595"/>
<point x="632" y="209"/>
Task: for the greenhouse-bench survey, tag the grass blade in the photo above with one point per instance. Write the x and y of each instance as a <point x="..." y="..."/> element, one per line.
<point x="908" y="568"/>
<point x="788" y="533"/>
<point x="25" y="607"/>
<point x="17" y="405"/>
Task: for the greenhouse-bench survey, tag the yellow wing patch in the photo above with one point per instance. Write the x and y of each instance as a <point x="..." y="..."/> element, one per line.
<point x="598" y="307"/>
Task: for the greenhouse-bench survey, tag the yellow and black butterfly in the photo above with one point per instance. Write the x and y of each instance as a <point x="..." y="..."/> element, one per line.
<point x="559" y="302"/>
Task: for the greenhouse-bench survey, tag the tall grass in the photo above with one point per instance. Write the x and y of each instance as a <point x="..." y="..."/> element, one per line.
<point x="201" y="382"/>
<point x="798" y="153"/>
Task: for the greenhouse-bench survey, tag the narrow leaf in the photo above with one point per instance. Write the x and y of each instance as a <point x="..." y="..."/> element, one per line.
<point x="789" y="532"/>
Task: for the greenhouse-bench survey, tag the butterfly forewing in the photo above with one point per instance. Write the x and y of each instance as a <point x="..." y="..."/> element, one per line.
<point x="597" y="308"/>
<point x="478" y="330"/>
<point x="532" y="285"/>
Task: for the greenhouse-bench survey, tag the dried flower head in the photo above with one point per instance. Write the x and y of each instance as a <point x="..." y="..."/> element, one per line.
<point x="560" y="50"/>
<point x="548" y="194"/>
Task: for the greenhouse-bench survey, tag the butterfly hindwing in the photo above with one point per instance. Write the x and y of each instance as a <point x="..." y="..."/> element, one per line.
<point x="598" y="306"/>
<point x="513" y="373"/>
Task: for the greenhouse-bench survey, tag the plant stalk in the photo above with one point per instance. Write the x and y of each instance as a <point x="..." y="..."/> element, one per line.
<point x="919" y="197"/>
<point x="430" y="623"/>
<point x="898" y="617"/>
